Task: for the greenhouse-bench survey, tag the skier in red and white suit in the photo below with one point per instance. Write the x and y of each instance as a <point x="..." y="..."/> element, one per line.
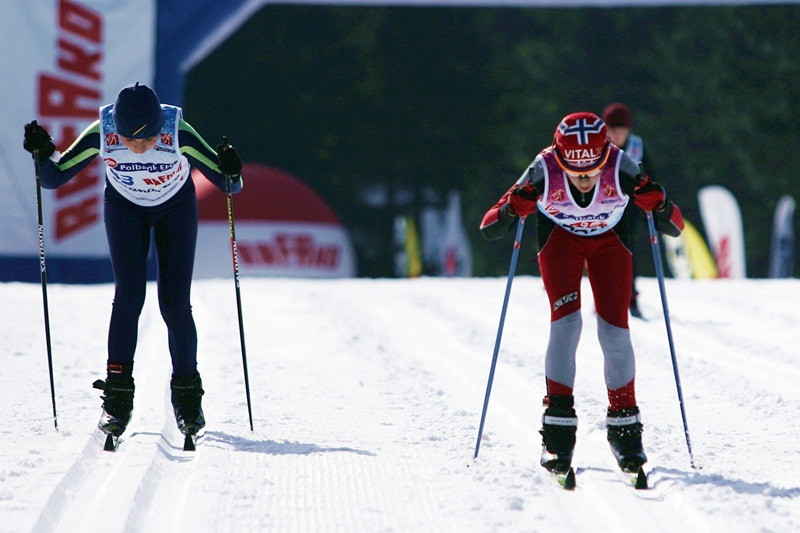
<point x="579" y="187"/>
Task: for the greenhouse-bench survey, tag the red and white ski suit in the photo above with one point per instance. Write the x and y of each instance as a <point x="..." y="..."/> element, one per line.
<point x="585" y="231"/>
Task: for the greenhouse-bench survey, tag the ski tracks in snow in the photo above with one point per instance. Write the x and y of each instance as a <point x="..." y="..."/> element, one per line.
<point x="737" y="446"/>
<point x="443" y="408"/>
<point x="366" y="405"/>
<point x="114" y="491"/>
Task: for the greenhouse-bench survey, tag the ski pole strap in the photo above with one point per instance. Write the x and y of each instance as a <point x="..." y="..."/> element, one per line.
<point x="560" y="420"/>
<point x="623" y="420"/>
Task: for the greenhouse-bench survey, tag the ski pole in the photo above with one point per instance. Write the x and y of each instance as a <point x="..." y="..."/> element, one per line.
<point x="235" y="256"/>
<point x="43" y="275"/>
<point x="665" y="306"/>
<point x="512" y="269"/>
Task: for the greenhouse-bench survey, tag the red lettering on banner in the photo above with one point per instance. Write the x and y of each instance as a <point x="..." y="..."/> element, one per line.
<point x="80" y="20"/>
<point x="78" y="60"/>
<point x="290" y="250"/>
<point x="62" y="98"/>
<point x="245" y="254"/>
<point x="73" y="218"/>
<point x="268" y="256"/>
<point x="68" y="98"/>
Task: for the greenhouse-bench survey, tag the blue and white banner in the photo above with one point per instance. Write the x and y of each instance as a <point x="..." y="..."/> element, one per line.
<point x="781" y="260"/>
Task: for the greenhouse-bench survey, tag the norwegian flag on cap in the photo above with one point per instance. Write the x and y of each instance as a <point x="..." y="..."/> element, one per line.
<point x="581" y="142"/>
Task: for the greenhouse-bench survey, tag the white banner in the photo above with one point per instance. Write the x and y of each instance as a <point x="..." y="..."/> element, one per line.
<point x="62" y="60"/>
<point x="722" y="219"/>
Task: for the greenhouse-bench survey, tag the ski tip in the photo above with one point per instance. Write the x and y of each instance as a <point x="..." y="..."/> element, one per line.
<point x="189" y="444"/>
<point x="110" y="444"/>
<point x="569" y="480"/>
<point x="641" y="480"/>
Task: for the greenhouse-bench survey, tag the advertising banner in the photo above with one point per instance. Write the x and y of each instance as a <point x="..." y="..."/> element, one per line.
<point x="62" y="60"/>
<point x="722" y="219"/>
<point x="283" y="228"/>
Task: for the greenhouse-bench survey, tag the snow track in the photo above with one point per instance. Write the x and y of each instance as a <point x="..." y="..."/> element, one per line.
<point x="366" y="402"/>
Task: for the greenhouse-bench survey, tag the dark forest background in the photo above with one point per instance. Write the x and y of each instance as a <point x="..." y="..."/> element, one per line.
<point x="414" y="102"/>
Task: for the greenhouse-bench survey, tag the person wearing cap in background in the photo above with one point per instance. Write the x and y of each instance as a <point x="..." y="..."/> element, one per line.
<point x="148" y="150"/>
<point x="619" y="120"/>
<point x="580" y="188"/>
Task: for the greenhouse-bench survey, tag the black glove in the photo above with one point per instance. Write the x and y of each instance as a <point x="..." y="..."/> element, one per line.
<point x="37" y="139"/>
<point x="522" y="201"/>
<point x="229" y="162"/>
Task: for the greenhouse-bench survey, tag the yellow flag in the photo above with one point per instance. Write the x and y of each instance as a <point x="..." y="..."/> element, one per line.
<point x="413" y="253"/>
<point x="703" y="265"/>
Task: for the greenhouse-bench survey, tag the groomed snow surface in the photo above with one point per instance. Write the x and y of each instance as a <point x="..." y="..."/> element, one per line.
<point x="366" y="399"/>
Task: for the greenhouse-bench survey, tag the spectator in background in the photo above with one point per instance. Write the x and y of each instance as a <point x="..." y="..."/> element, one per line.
<point x="619" y="120"/>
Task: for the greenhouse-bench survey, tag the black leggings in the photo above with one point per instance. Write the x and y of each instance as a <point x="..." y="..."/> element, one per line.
<point x="128" y="227"/>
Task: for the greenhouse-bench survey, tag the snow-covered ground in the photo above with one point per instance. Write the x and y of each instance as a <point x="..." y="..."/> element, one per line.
<point x="366" y="398"/>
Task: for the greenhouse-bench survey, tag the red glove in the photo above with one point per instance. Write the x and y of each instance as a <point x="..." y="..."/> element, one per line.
<point x="522" y="201"/>
<point x="649" y="195"/>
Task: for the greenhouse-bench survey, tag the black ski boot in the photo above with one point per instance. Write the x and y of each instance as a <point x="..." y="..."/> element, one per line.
<point x="187" y="393"/>
<point x="559" y="425"/>
<point x="625" y="438"/>
<point x="117" y="403"/>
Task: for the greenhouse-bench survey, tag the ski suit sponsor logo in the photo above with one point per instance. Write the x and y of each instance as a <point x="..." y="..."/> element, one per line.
<point x="552" y="210"/>
<point x="610" y="191"/>
<point x="112" y="139"/>
<point x="160" y="180"/>
<point x="599" y="217"/>
<point x="584" y="226"/>
<point x="111" y="162"/>
<point x="582" y="154"/>
<point x="571" y="297"/>
<point x="166" y="139"/>
<point x="147" y="167"/>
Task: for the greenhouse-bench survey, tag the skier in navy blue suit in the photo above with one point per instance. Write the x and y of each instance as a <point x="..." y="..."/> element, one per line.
<point x="148" y="150"/>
